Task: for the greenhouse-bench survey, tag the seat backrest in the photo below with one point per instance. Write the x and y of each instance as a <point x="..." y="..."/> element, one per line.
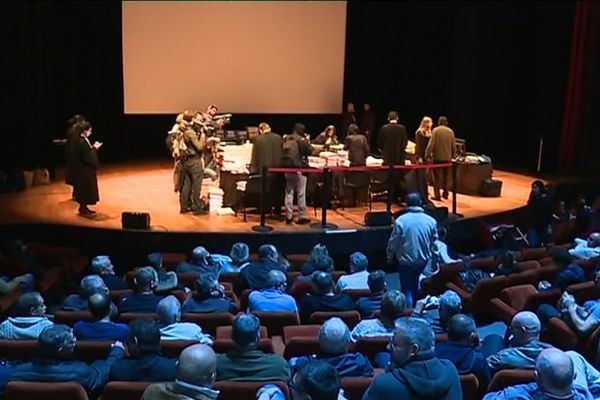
<point x="118" y="390"/>
<point x="224" y="332"/>
<point x="470" y="387"/>
<point x="18" y="349"/>
<point x="535" y="253"/>
<point x="560" y="335"/>
<point x="115" y="295"/>
<point x="187" y="279"/>
<point x="297" y="260"/>
<point x="275" y="321"/>
<point x="17" y="390"/>
<point x="230" y="390"/>
<point x="535" y="300"/>
<point x="447" y="273"/>
<point x="485" y="290"/>
<point x="301" y="346"/>
<point x="172" y="260"/>
<point x="90" y="351"/>
<point x="300" y="331"/>
<point x="70" y="317"/>
<point x="590" y="348"/>
<point x="370" y="346"/>
<point x="357" y="293"/>
<point x="584" y="291"/>
<point x="487" y="264"/>
<point x="354" y="388"/>
<point x="231" y="277"/>
<point x="351" y="318"/>
<point x="510" y="377"/>
<point x="226" y="345"/>
<point x="528" y="277"/>
<point x="130" y="316"/>
<point x="173" y="348"/>
<point x="244" y="299"/>
<point x="528" y="265"/>
<point x="209" y="321"/>
<point x="516" y="296"/>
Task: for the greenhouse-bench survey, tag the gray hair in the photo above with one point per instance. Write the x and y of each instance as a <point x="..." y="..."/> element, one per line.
<point x="100" y="263"/>
<point x="555" y="370"/>
<point x="334" y="337"/>
<point x="200" y="254"/>
<point x="168" y="310"/>
<point x="91" y="284"/>
<point x="416" y="331"/>
<point x="451" y="301"/>
<point x="276" y="279"/>
<point x="359" y="261"/>
<point x="240" y="253"/>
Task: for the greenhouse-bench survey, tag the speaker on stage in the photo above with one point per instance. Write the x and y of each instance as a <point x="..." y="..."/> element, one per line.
<point x="378" y="218"/>
<point x="135" y="220"/>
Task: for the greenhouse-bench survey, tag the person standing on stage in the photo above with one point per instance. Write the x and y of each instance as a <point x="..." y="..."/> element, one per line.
<point x="266" y="152"/>
<point x="192" y="170"/>
<point x="392" y="141"/>
<point x="348" y="118"/>
<point x="357" y="145"/>
<point x="70" y="148"/>
<point x="441" y="149"/>
<point x="422" y="137"/>
<point x="367" y="124"/>
<point x="85" y="162"/>
<point x="294" y="152"/>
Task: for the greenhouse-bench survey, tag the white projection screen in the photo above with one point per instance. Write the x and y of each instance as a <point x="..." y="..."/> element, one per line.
<point x="277" y="57"/>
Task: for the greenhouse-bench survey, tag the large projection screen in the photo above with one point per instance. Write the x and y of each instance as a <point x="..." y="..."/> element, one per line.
<point x="247" y="57"/>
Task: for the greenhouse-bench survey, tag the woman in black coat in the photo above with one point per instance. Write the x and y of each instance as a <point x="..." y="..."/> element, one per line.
<point x="85" y="162"/>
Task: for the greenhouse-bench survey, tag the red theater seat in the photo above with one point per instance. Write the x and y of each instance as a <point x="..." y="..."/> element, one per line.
<point x="17" y="390"/>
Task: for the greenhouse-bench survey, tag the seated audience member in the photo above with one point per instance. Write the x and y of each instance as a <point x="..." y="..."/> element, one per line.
<point x="102" y="266"/>
<point x="144" y="299"/>
<point x="569" y="273"/>
<point x="208" y="298"/>
<point x="7" y="285"/>
<point x="440" y="256"/>
<point x="358" y="274"/>
<point x="366" y="306"/>
<point x="525" y="344"/>
<point x="167" y="281"/>
<point x="144" y="362"/>
<point x="239" y="259"/>
<point x="583" y="319"/>
<point x="195" y="374"/>
<point x="19" y="251"/>
<point x="201" y="263"/>
<point x="586" y="249"/>
<point x="555" y="375"/>
<point x="273" y="297"/>
<point x="169" y="316"/>
<point x="506" y="264"/>
<point x="310" y="265"/>
<point x="323" y="297"/>
<point x="101" y="328"/>
<point x="313" y="380"/>
<point x="246" y="362"/>
<point x="5" y="373"/>
<point x="415" y="372"/>
<point x="438" y="317"/>
<point x="29" y="320"/>
<point x="56" y="362"/>
<point x="334" y="338"/>
<point x="254" y="276"/>
<point x="462" y="349"/>
<point x="89" y="285"/>
<point x="392" y="308"/>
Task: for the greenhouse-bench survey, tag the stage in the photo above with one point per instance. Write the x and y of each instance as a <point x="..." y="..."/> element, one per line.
<point x="147" y="187"/>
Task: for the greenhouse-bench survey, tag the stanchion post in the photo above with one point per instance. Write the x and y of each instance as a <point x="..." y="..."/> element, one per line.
<point x="454" y="186"/>
<point x="390" y="187"/>
<point x="263" y="196"/>
<point x="325" y="200"/>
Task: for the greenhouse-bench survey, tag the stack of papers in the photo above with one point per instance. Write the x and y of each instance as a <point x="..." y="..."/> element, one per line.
<point x="215" y="199"/>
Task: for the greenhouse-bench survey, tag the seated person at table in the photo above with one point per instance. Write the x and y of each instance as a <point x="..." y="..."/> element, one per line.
<point x="310" y="265"/>
<point x="254" y="276"/>
<point x="89" y="285"/>
<point x="143" y="300"/>
<point x="101" y="328"/>
<point x="102" y="266"/>
<point x="169" y="316"/>
<point x="334" y="338"/>
<point x="55" y="362"/>
<point x="239" y="259"/>
<point x="366" y="306"/>
<point x="273" y="297"/>
<point x="201" y="263"/>
<point x="246" y="362"/>
<point x="29" y="320"/>
<point x="357" y="280"/>
<point x="327" y="138"/>
<point x="167" y="280"/>
<point x="438" y="317"/>
<point x="323" y="298"/>
<point x="208" y="298"/>
<point x="144" y="362"/>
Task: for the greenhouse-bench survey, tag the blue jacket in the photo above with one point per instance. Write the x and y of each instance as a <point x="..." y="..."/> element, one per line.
<point x="84" y="330"/>
<point x="532" y="391"/>
<point x="145" y="367"/>
<point x="466" y="358"/>
<point x="347" y="365"/>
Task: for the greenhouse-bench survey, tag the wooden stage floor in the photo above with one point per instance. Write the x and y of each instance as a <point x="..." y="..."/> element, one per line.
<point x="147" y="187"/>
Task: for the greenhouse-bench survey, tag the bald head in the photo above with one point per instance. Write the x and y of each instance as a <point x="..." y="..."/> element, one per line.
<point x="200" y="255"/>
<point x="413" y="200"/>
<point x="276" y="279"/>
<point x="197" y="365"/>
<point x="555" y="372"/>
<point x="594" y="240"/>
<point x="168" y="310"/>
<point x="525" y="326"/>
<point x="334" y="337"/>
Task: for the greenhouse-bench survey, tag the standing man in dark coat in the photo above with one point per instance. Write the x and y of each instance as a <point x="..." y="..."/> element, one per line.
<point x="348" y="118"/>
<point x="392" y="140"/>
<point x="85" y="162"/>
<point x="367" y="124"/>
<point x="266" y="152"/>
<point x="441" y="149"/>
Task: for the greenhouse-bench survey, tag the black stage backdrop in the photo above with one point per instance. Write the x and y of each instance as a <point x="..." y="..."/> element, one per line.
<point x="498" y="70"/>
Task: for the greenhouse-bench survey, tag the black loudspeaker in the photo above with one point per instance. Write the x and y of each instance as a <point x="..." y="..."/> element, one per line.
<point x="135" y="220"/>
<point x="378" y="218"/>
<point x="490" y="188"/>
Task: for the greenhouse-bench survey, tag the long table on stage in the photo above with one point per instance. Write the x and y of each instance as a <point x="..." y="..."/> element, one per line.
<point x="469" y="177"/>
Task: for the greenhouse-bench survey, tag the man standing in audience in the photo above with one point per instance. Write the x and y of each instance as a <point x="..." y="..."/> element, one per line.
<point x="254" y="276"/>
<point x="246" y="362"/>
<point x="366" y="306"/>
<point x="441" y="149"/>
<point x="200" y="263"/>
<point x="144" y="362"/>
<point x="266" y="152"/>
<point x="30" y="319"/>
<point x="195" y="375"/>
<point x="323" y="298"/>
<point x="273" y="297"/>
<point x="102" y="265"/>
<point x="101" y="328"/>
<point x="171" y="327"/>
<point x="411" y="245"/>
<point x="55" y="362"/>
<point x="208" y="298"/>
<point x="449" y="305"/>
<point x="144" y="299"/>
<point x="415" y="371"/>
<point x="357" y="280"/>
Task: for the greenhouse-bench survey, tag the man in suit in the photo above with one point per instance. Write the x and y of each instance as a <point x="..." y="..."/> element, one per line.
<point x="266" y="152"/>
<point x="348" y="118"/>
<point x="441" y="149"/>
<point x="392" y="140"/>
<point x="367" y="123"/>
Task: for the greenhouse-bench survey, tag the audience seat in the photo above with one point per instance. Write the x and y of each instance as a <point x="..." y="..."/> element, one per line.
<point x="70" y="317"/>
<point x="351" y="318"/>
<point x="118" y="390"/>
<point x="126" y="318"/>
<point x="354" y="388"/>
<point x="301" y="346"/>
<point x="470" y="387"/>
<point x="534" y="253"/>
<point x="244" y="299"/>
<point x="357" y="293"/>
<point x="276" y="321"/>
<point x="22" y="350"/>
<point x="300" y="289"/>
<point x="297" y="260"/>
<point x="559" y="334"/>
<point x="224" y="332"/>
<point x="487" y="264"/>
<point x="292" y="276"/>
<point x="589" y="348"/>
<point x="231" y="390"/>
<point x="209" y="321"/>
<point x="115" y="295"/>
<point x="527" y="277"/>
<point x="7" y="301"/>
<point x="510" y="377"/>
<point x="584" y="291"/>
<point x="173" y="348"/>
<point x="44" y="390"/>
<point x="89" y="351"/>
<point x="290" y="332"/>
<point x="437" y="283"/>
<point x="546" y="261"/>
<point x="478" y="302"/>
<point x="370" y="346"/>
<point x="554" y="249"/>
<point x="529" y="265"/>
<point x="172" y="260"/>
<point x="53" y="278"/>
<point x="230" y="278"/>
<point x="518" y="298"/>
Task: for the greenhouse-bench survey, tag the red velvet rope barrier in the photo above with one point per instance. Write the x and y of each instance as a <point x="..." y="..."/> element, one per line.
<point x="361" y="168"/>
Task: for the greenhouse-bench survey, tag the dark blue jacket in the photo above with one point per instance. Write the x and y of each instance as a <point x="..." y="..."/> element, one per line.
<point x="5" y="372"/>
<point x="139" y="303"/>
<point x="114" y="282"/>
<point x="84" y="330"/>
<point x="466" y="358"/>
<point x="366" y="306"/>
<point x="214" y="305"/>
<point x="347" y="365"/>
<point x="145" y="367"/>
<point x="254" y="276"/>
